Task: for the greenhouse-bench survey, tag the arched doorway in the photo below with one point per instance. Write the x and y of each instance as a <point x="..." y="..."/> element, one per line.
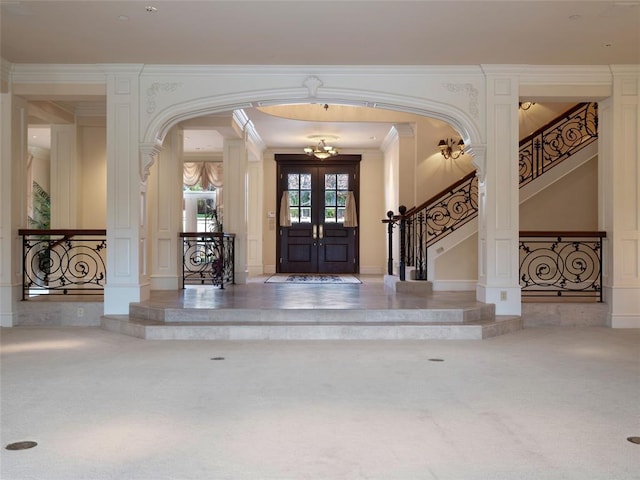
<point x="274" y="247"/>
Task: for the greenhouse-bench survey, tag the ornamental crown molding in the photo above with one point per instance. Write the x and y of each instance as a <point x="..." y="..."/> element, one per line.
<point x="625" y="69"/>
<point x="309" y="70"/>
<point x="53" y="73"/>
<point x="397" y="131"/>
<point x="554" y="74"/>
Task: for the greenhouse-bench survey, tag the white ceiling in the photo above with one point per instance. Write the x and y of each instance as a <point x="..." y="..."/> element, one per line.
<point x="308" y="32"/>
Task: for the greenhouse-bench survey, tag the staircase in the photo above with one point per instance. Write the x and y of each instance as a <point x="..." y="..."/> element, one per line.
<point x="450" y="217"/>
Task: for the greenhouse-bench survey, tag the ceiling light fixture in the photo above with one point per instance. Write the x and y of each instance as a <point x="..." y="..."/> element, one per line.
<point x="151" y="9"/>
<point x="321" y="151"/>
<point x="447" y="148"/>
<point x="525" y="105"/>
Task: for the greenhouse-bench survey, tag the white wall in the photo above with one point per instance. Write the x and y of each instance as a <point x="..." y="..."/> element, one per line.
<point x="571" y="203"/>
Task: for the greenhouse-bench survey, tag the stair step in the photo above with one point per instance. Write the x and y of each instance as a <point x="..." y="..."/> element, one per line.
<point x="312" y="315"/>
<point x="320" y="330"/>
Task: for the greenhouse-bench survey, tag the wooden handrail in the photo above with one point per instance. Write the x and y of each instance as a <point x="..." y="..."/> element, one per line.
<point x="65" y="232"/>
<point x="532" y="233"/>
<point x="206" y="234"/>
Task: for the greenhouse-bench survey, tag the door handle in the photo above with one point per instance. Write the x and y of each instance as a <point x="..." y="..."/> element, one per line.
<point x="321" y="231"/>
<point x="314" y="231"/>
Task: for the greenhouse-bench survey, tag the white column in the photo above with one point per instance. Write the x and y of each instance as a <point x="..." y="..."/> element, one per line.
<point x="64" y="177"/>
<point x="407" y="165"/>
<point x="165" y="214"/>
<point x="391" y="149"/>
<point x="126" y="193"/>
<point x="498" y="199"/>
<point x="13" y="201"/>
<point x="255" y="218"/>
<point x="190" y="213"/>
<point x="235" y="201"/>
<point x="619" y="174"/>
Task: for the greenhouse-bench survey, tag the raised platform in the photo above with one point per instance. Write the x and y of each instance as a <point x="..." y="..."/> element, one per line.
<point x="258" y="311"/>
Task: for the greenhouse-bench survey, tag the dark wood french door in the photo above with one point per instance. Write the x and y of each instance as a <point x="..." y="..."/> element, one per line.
<point x="317" y="240"/>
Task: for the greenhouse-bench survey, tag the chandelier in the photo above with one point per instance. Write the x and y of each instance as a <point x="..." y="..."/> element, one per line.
<point x="447" y="148"/>
<point x="321" y="151"/>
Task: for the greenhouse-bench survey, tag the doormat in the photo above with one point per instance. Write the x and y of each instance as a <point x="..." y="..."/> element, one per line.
<point x="312" y="278"/>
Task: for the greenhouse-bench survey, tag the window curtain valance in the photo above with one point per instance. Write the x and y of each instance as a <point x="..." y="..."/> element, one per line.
<point x="207" y="174"/>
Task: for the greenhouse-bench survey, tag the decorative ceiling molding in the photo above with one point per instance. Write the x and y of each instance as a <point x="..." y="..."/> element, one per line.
<point x="251" y="135"/>
<point x="312" y="83"/>
<point x="157" y="87"/>
<point x="472" y="94"/>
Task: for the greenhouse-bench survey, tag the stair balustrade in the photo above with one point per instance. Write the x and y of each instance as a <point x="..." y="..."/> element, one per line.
<point x="208" y="258"/>
<point x="455" y="206"/>
<point x="561" y="264"/>
<point x="566" y="135"/>
<point x="62" y="262"/>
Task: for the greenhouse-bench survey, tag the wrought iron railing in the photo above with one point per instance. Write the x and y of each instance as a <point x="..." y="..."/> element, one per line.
<point x="208" y="258"/>
<point x="561" y="264"/>
<point x="450" y="209"/>
<point x="558" y="140"/>
<point x="438" y="217"/>
<point x="61" y="262"/>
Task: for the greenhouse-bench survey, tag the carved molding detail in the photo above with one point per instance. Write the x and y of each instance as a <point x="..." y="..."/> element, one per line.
<point x="148" y="154"/>
<point x="157" y="87"/>
<point x="471" y="92"/>
<point x="312" y="83"/>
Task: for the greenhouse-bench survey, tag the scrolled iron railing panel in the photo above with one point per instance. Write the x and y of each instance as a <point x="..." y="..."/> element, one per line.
<point x="61" y="262"/>
<point x="451" y="211"/>
<point x="561" y="264"/>
<point x="208" y="258"/>
<point x="554" y="143"/>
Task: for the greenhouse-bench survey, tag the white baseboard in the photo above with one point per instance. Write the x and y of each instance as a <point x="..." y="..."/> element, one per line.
<point x="7" y="319"/>
<point x="624" y="321"/>
<point x="454" y="285"/>
<point x="255" y="270"/>
<point x="169" y="282"/>
<point x="371" y="270"/>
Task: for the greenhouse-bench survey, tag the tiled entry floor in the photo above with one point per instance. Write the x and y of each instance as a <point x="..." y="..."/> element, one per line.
<point x="370" y="294"/>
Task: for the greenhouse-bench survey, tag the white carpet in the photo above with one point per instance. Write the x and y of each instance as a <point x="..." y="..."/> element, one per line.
<point x="543" y="404"/>
<point x="324" y="278"/>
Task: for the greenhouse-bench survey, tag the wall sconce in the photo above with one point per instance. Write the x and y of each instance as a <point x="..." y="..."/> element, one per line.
<point x="447" y="148"/>
<point x="525" y="105"/>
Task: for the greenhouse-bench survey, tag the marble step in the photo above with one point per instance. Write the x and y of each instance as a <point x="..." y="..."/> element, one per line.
<point x="312" y="315"/>
<point x="319" y="330"/>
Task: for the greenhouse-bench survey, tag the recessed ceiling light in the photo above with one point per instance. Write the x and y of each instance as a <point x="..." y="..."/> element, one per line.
<point x="123" y="18"/>
<point x="575" y="17"/>
<point x="607" y="44"/>
<point x="151" y="9"/>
